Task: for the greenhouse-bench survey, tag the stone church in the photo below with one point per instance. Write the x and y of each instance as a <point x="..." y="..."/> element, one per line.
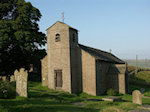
<point x="74" y="68"/>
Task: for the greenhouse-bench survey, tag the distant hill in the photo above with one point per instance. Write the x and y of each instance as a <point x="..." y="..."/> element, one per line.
<point x="141" y="63"/>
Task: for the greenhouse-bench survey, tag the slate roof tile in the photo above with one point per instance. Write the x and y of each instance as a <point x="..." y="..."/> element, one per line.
<point x="101" y="55"/>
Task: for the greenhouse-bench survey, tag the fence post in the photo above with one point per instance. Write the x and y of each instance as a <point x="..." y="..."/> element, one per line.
<point x="136" y="70"/>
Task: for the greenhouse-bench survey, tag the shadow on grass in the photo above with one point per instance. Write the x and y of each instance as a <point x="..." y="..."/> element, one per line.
<point x="61" y="97"/>
<point x="39" y="105"/>
<point x="140" y="81"/>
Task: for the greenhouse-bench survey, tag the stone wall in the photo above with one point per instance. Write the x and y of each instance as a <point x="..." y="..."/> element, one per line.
<point x="44" y="71"/>
<point x="73" y="35"/>
<point x="123" y="78"/>
<point x="117" y="78"/>
<point x="122" y="87"/>
<point x="112" y="82"/>
<point x="79" y="70"/>
<point x="101" y="70"/>
<point x="88" y="73"/>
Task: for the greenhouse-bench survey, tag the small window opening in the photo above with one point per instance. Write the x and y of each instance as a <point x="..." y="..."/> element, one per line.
<point x="57" y="39"/>
<point x="73" y="38"/>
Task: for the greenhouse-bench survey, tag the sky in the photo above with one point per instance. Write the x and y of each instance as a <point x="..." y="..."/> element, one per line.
<point x="120" y="25"/>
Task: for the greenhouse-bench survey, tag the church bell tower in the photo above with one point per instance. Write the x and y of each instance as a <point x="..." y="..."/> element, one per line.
<point x="62" y="41"/>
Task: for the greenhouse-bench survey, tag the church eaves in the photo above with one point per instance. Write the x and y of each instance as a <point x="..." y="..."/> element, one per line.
<point x="102" y="55"/>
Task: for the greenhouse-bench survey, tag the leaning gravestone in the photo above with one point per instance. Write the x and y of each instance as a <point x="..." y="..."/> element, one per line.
<point x="21" y="82"/>
<point x="137" y="97"/>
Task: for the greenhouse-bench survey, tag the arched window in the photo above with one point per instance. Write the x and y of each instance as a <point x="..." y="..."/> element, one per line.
<point x="57" y="39"/>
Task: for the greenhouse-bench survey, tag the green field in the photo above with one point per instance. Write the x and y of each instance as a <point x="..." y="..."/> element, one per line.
<point x="42" y="99"/>
<point x="141" y="63"/>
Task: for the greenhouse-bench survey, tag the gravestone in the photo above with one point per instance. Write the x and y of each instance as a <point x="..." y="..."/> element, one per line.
<point x="12" y="78"/>
<point x="142" y="90"/>
<point x="3" y="78"/>
<point x="16" y="74"/>
<point x="0" y="78"/>
<point x="112" y="99"/>
<point x="21" y="82"/>
<point x="137" y="97"/>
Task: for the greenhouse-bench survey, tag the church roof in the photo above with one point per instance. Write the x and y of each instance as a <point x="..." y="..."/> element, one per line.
<point x="101" y="55"/>
<point x="64" y="24"/>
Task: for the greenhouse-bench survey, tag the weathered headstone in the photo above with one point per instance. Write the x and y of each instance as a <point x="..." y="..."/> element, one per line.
<point x="16" y="74"/>
<point x="21" y="83"/>
<point x="4" y="78"/>
<point x="12" y="78"/>
<point x="137" y="97"/>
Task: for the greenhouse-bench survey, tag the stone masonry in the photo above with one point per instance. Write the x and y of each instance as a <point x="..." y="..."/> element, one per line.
<point x="21" y="82"/>
<point x="72" y="67"/>
<point x="44" y="72"/>
<point x="137" y="97"/>
<point x="3" y="78"/>
<point x="16" y="74"/>
<point x="12" y="78"/>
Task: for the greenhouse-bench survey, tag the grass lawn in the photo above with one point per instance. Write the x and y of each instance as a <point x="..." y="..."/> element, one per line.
<point x="143" y="76"/>
<point x="134" y="87"/>
<point x="42" y="99"/>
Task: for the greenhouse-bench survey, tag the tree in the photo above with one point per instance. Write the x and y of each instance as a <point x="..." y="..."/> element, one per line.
<point x="19" y="34"/>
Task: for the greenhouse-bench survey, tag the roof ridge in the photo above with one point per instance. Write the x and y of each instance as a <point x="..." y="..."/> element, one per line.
<point x="101" y="55"/>
<point x="61" y="23"/>
<point x="95" y="49"/>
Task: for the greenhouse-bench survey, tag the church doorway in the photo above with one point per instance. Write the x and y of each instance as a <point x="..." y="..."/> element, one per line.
<point x="58" y="79"/>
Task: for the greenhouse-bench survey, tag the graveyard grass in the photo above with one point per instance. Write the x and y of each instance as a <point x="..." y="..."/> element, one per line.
<point x="143" y="76"/>
<point x="147" y="89"/>
<point x="46" y="100"/>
